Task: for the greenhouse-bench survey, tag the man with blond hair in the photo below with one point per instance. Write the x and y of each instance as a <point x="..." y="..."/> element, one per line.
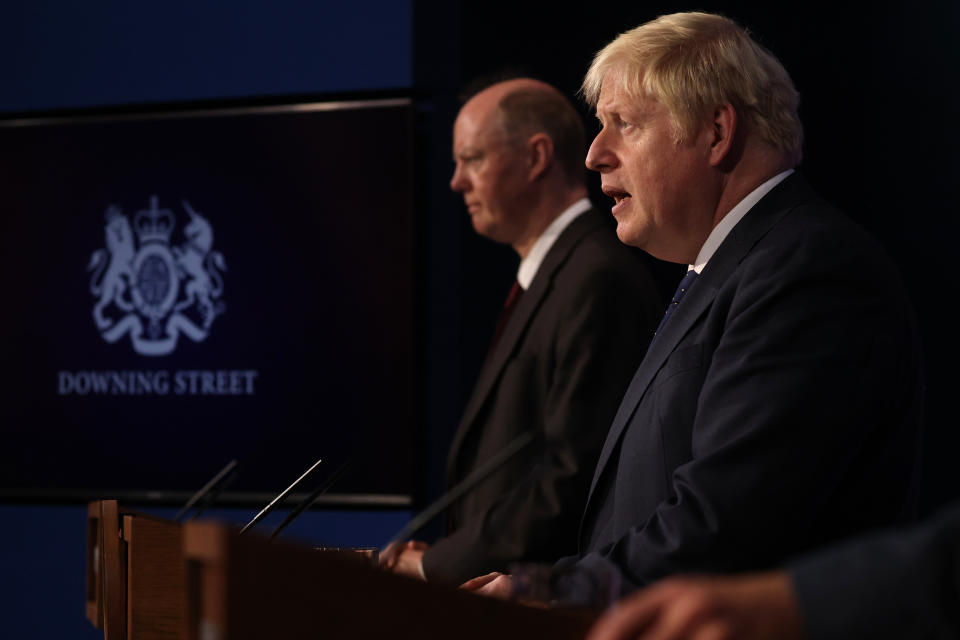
<point x="778" y="407"/>
<point x="575" y="327"/>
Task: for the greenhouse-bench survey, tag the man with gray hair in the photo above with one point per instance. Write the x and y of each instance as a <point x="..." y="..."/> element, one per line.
<point x="778" y="407"/>
<point x="575" y="327"/>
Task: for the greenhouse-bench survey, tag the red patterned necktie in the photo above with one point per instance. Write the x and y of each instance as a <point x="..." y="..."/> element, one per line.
<point x="511" y="303"/>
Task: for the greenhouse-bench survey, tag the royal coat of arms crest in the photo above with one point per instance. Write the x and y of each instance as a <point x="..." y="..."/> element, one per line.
<point x="151" y="290"/>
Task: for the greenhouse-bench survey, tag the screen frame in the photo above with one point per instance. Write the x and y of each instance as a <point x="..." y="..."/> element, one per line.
<point x="219" y="108"/>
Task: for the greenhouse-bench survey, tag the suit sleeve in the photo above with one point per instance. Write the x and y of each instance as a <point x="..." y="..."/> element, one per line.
<point x="898" y="584"/>
<point x="601" y="331"/>
<point x="797" y="408"/>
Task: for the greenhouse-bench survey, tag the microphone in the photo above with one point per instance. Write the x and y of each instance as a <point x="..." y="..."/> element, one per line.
<point x="212" y="497"/>
<point x="489" y="466"/>
<point x="270" y="507"/>
<point x="205" y="490"/>
<point x="308" y="502"/>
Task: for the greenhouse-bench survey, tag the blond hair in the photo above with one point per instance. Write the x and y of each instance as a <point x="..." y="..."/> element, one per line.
<point x="693" y="62"/>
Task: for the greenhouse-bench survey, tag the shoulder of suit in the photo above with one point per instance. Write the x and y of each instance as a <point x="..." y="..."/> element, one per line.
<point x="816" y="226"/>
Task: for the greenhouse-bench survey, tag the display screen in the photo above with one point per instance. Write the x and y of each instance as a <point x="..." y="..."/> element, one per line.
<point x="187" y="287"/>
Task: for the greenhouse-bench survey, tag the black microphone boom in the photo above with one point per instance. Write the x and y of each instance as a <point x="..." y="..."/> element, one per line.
<point x="306" y="503"/>
<point x="270" y="507"/>
<point x="214" y="494"/>
<point x="481" y="472"/>
<point x="206" y="489"/>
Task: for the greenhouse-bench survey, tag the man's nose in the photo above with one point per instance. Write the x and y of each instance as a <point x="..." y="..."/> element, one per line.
<point x="458" y="182"/>
<point x="600" y="157"/>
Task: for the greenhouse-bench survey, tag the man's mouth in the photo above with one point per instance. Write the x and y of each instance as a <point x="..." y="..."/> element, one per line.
<point x="618" y="195"/>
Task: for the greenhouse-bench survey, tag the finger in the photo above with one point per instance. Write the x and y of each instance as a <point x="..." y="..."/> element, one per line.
<point x="389" y="555"/>
<point x="417" y="545"/>
<point x="628" y="619"/>
<point x="500" y="587"/>
<point x="690" y="606"/>
<point x="475" y="583"/>
<point x="641" y="615"/>
<point x="712" y="630"/>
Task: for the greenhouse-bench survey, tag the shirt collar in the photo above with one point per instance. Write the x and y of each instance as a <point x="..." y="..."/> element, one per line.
<point x="531" y="264"/>
<point x="729" y="221"/>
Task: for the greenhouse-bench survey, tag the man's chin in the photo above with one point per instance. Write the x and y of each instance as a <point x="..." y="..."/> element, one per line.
<point x="484" y="227"/>
<point x="629" y="235"/>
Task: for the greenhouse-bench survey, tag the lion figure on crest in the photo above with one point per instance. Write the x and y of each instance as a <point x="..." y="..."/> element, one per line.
<point x="113" y="275"/>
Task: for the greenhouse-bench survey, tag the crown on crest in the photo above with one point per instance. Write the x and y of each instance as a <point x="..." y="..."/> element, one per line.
<point x="153" y="224"/>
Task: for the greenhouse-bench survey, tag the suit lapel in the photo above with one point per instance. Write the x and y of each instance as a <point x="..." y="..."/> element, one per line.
<point x="735" y="247"/>
<point x="695" y="304"/>
<point x="519" y="320"/>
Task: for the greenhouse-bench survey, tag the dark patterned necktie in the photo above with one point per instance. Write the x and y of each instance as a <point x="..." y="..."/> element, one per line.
<point x="513" y="298"/>
<point x="677" y="297"/>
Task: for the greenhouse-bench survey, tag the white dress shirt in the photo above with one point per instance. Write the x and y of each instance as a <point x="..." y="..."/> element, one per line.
<point x="531" y="264"/>
<point x="729" y="221"/>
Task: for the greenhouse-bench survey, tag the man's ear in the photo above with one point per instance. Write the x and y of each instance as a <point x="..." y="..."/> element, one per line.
<point x="724" y="132"/>
<point x="540" y="155"/>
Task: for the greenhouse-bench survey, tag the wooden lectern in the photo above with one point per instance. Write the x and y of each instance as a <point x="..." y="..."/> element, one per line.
<point x="153" y="579"/>
<point x="136" y="576"/>
<point x="241" y="587"/>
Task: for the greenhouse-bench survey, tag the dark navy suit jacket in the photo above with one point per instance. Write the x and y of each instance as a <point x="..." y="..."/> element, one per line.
<point x="778" y="409"/>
